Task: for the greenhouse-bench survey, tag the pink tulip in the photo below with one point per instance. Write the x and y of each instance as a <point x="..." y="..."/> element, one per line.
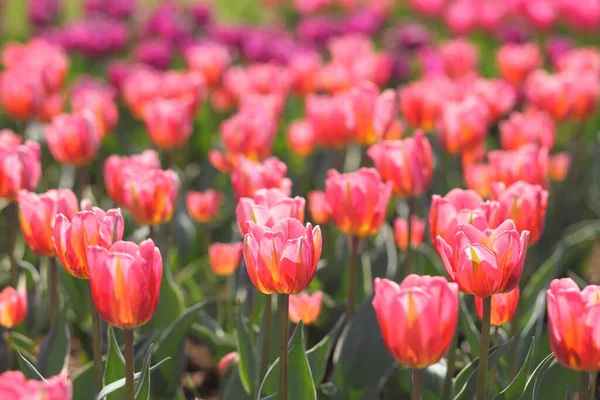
<point x="550" y="93"/>
<point x="329" y="120"/>
<point x="421" y="102"/>
<point x="169" y="122"/>
<point x="118" y="169"/>
<point x="580" y="60"/>
<point x="250" y="176"/>
<point x="460" y="58"/>
<point x="151" y="196"/>
<point x="250" y="133"/>
<point x="529" y="128"/>
<point x="417" y="233"/>
<point x="528" y="163"/>
<point x="504" y="306"/>
<point x="305" y="307"/>
<point x="498" y="95"/>
<point x="267" y="207"/>
<point x="210" y="59"/>
<point x="203" y="206"/>
<point x="224" y="258"/>
<point x="13" y="307"/>
<point x="559" y="165"/>
<point x="19" y="167"/>
<point x="517" y="61"/>
<point x="463" y="124"/>
<point x="318" y="207"/>
<point x="477" y="178"/>
<point x="74" y="138"/>
<point x="14" y="386"/>
<point x="301" y="138"/>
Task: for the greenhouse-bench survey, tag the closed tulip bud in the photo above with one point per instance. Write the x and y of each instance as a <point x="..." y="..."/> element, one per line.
<point x="14" y="386"/>
<point x="528" y="163"/>
<point x="301" y="138"/>
<point x="125" y="282"/>
<point x="550" y="93"/>
<point x="328" y="118"/>
<point x="73" y="138"/>
<point x="572" y="324"/>
<point x="224" y="258"/>
<point x="13" y="307"/>
<point x="463" y="124"/>
<point x="421" y="102"/>
<point x="358" y="201"/>
<point x="267" y="207"/>
<point x="250" y="133"/>
<point x="318" y="207"/>
<point x="204" y="206"/>
<point x="282" y="259"/>
<point x="210" y="59"/>
<point x="558" y="166"/>
<point x="249" y="176"/>
<point x="417" y="233"/>
<point x="407" y="163"/>
<point x="517" y="61"/>
<point x="525" y="204"/>
<point x="169" y="122"/>
<point x="417" y="318"/>
<point x="504" y="306"/>
<point x="499" y="96"/>
<point x="37" y="215"/>
<point x="485" y="262"/>
<point x="72" y="236"/>
<point x="305" y="307"/>
<point x="151" y="196"/>
<point x="228" y="362"/>
<point x="117" y="169"/>
<point x="528" y="128"/>
<point x="19" y="168"/>
<point x="477" y="178"/>
<point x="460" y="58"/>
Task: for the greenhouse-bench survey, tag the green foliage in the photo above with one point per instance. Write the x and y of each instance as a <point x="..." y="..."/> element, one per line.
<point x="55" y="348"/>
<point x="114" y="368"/>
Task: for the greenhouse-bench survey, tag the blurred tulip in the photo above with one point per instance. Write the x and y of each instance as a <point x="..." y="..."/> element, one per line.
<point x="428" y="7"/>
<point x="498" y="95"/>
<point x="558" y="166"/>
<point x="541" y="13"/>
<point x="477" y="178"/>
<point x="155" y="52"/>
<point x="491" y="14"/>
<point x="74" y="138"/>
<point x="120" y="9"/>
<point x="463" y="124"/>
<point x="72" y="236"/>
<point x="204" y="206"/>
<point x="282" y="259"/>
<point x="528" y="163"/>
<point x="417" y="318"/>
<point x="118" y="169"/>
<point x="307" y="7"/>
<point x="329" y="120"/>
<point x="224" y="258"/>
<point x="43" y="12"/>
<point x="395" y="131"/>
<point x="228" y="362"/>
<point x="304" y="69"/>
<point x="101" y="104"/>
<point x="557" y="47"/>
<point x="210" y="58"/>
<point x="504" y="306"/>
<point x="461" y="16"/>
<point x="417" y="233"/>
<point x="580" y="60"/>
<point x="517" y="61"/>
<point x="267" y="207"/>
<point x="582" y="16"/>
<point x="305" y="307"/>
<point x="13" y="308"/>
<point x="407" y="163"/>
<point x="528" y="128"/>
<point x="525" y="204"/>
<point x="460" y="58"/>
<point x="37" y="215"/>
<point x="250" y="176"/>
<point x="250" y="133"/>
<point x="151" y="196"/>
<point x="9" y="139"/>
<point x="14" y="386"/>
<point x="22" y="95"/>
<point x="358" y="201"/>
<point x="318" y="207"/>
<point x="550" y="93"/>
<point x="125" y="282"/>
<point x="19" y="166"/>
<point x="169" y="122"/>
<point x="584" y="88"/>
<point x="484" y="262"/>
<point x="300" y="137"/>
<point x="421" y="102"/>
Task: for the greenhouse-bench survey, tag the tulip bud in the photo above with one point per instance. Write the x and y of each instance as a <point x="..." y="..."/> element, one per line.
<point x="204" y="206"/>
<point x="504" y="306"/>
<point x="73" y="138"/>
<point x="37" y="215"/>
<point x="151" y="196"/>
<point x="529" y="128"/>
<point x="19" y="168"/>
<point x="558" y="166"/>
<point x="528" y="163"/>
<point x="318" y="207"/>
<point x="169" y="122"/>
<point x="249" y="176"/>
<point x="305" y="307"/>
<point x="301" y="138"/>
<point x="517" y="61"/>
<point x="267" y="207"/>
<point x="297" y="250"/>
<point x="117" y="169"/>
<point x="417" y="318"/>
<point x="401" y="232"/>
<point x="13" y="307"/>
<point x="463" y="124"/>
<point x="227" y="363"/>
<point x="14" y="386"/>
<point x="125" y="282"/>
<point x="224" y="258"/>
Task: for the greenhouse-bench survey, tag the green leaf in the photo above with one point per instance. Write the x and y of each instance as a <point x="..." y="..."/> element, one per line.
<point x="114" y="368"/>
<point x="234" y="390"/>
<point x="470" y="330"/>
<point x="399" y="381"/>
<point x="534" y="382"/>
<point x="142" y="390"/>
<point x="517" y="386"/>
<point x="55" y="348"/>
<point x="28" y="369"/>
<point x="121" y="382"/>
<point x="219" y="343"/>
<point x="83" y="382"/>
<point x="318" y="356"/>
<point x="247" y="367"/>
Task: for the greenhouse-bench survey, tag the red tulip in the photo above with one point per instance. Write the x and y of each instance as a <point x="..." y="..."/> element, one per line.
<point x="421" y="102"/>
<point x="358" y="201"/>
<point x="484" y="262"/>
<point x="301" y="138"/>
<point x="417" y="318"/>
<point x="118" y="169"/>
<point x="250" y="176"/>
<point x="407" y="163"/>
<point x="305" y="307"/>
<point x="463" y="124"/>
<point x="529" y="128"/>
<point x="72" y="236"/>
<point x="477" y="178"/>
<point x="517" y="61"/>
<point x="204" y="206"/>
<point x="225" y="258"/>
<point x="14" y="386"/>
<point x="528" y="163"/>
<point x="558" y="166"/>
<point x="550" y="93"/>
<point x="151" y="196"/>
<point x="19" y="168"/>
<point x="210" y="59"/>
<point x="318" y="207"/>
<point x="169" y="122"/>
<point x="498" y="95"/>
<point x="504" y="306"/>
<point x="572" y="324"/>
<point x="228" y="361"/>
<point x="13" y="308"/>
<point x="417" y="233"/>
<point x="460" y="58"/>
<point x="329" y="120"/>
<point x="74" y="138"/>
<point x="37" y="215"/>
<point x="267" y="207"/>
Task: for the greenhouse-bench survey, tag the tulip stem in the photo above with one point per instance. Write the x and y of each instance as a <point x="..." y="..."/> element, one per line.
<point x="284" y="304"/>
<point x="594" y="377"/>
<point x="584" y="387"/>
<point x="266" y="342"/>
<point x="451" y="367"/>
<point x="97" y="345"/>
<point x="354" y="244"/>
<point x="514" y="346"/>
<point x="406" y="264"/>
<point x="53" y="287"/>
<point x="9" y="350"/>
<point x="416" y="384"/>
<point x="485" y="346"/>
<point x="12" y="238"/>
<point x="128" y="334"/>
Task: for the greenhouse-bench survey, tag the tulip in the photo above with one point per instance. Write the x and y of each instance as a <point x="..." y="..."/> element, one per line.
<point x="125" y="282"/>
<point x="250" y="176"/>
<point x="224" y="258"/>
<point x="421" y="102"/>
<point x="250" y="133"/>
<point x="550" y="93"/>
<point x="100" y="100"/>
<point x="169" y="122"/>
<point x="477" y="178"/>
<point x="19" y="168"/>
<point x="301" y="138"/>
<point x="529" y="128"/>
<point x="13" y="307"/>
<point x="504" y="306"/>
<point x="297" y="250"/>
<point x="484" y="262"/>
<point x="304" y="69"/>
<point x="460" y="58"/>
<point x="401" y="232"/>
<point x="37" y="215"/>
<point x="227" y="363"/>
<point x="14" y="386"/>
<point x="528" y="163"/>
<point x="318" y="207"/>
<point x="517" y="61"/>
<point x="498" y="95"/>
<point x="72" y="236"/>
<point x="585" y="88"/>
<point x="558" y="166"/>
<point x="204" y="206"/>
<point x="117" y="169"/>
<point x="580" y="60"/>
<point x="407" y="163"/>
<point x="210" y="59"/>
<point x="74" y="138"/>
<point x="541" y="13"/>
<point x="463" y="124"/>
<point x="417" y="318"/>
<point x="328" y="118"/>
<point x="22" y="95"/>
<point x="395" y="131"/>
<point x="267" y="207"/>
<point x="151" y="196"/>
<point x="9" y="139"/>
<point x="305" y="307"/>
<point x="461" y="16"/>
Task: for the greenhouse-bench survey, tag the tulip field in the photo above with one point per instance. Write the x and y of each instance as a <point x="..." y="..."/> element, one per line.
<point x="299" y="199"/>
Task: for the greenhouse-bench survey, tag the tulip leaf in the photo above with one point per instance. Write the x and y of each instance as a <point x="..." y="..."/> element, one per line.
<point x="534" y="382"/>
<point x="399" y="380"/>
<point x="470" y="330"/>
<point x="219" y="343"/>
<point x="142" y="390"/>
<point x="517" y="386"/>
<point x="247" y="366"/>
<point x="108" y="389"/>
<point x="115" y="364"/>
<point x="83" y="382"/>
<point x="234" y="390"/>
<point x="55" y="348"/>
<point x="28" y="369"/>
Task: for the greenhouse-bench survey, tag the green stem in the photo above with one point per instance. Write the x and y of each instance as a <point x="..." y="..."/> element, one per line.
<point x="584" y="387"/>
<point x="284" y="303"/>
<point x="129" y="366"/>
<point x="416" y="385"/>
<point x="407" y="259"/>
<point x="494" y="340"/>
<point x="12" y="239"/>
<point x="354" y="244"/>
<point x="594" y="377"/>
<point x="53" y="287"/>
<point x="485" y="346"/>
<point x="266" y="343"/>
<point x="451" y="367"/>
<point x="251" y="314"/>
<point x="514" y="346"/>
<point x="97" y="346"/>
<point x="9" y="351"/>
